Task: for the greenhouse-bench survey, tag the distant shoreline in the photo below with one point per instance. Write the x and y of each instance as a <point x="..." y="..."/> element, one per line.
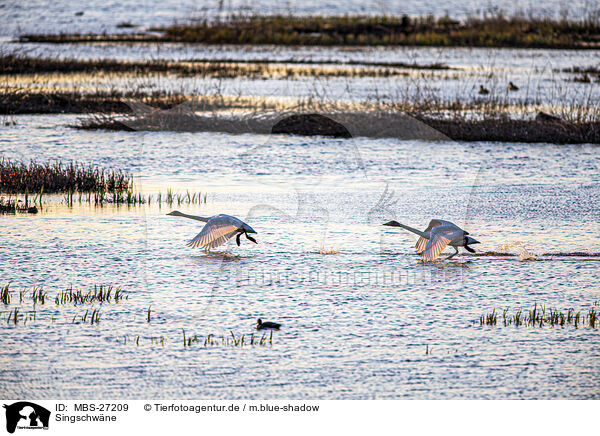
<point x="491" y="32"/>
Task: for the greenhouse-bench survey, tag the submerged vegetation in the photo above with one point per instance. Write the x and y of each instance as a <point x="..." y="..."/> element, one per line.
<point x="100" y="294"/>
<point x="540" y="316"/>
<point x="488" y="31"/>
<point x="230" y="340"/>
<point x="38" y="298"/>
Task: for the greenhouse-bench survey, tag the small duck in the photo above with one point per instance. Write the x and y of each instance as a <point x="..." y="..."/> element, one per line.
<point x="260" y="325"/>
<point x="512" y="87"/>
<point x="483" y="91"/>
<point x="583" y="79"/>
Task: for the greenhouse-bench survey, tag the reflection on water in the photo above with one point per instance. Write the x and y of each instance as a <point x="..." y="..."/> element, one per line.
<point x="356" y="324"/>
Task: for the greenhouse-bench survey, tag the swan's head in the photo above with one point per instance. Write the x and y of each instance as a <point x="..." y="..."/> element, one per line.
<point x="469" y="241"/>
<point x="392" y="224"/>
<point x="248" y="229"/>
<point x="175" y="213"/>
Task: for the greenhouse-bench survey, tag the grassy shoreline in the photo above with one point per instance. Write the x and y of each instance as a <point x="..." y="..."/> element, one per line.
<point x="107" y="112"/>
<point x="223" y="68"/>
<point x="495" y="31"/>
<point x="406" y="126"/>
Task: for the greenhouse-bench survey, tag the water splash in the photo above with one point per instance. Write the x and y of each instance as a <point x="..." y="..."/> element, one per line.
<point x="524" y="253"/>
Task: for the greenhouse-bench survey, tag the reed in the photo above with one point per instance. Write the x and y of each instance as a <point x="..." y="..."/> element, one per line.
<point x="38" y="295"/>
<point x="56" y="177"/>
<point x="487" y="31"/>
<point x="100" y="294"/>
<point x="230" y="340"/>
<point x="5" y="294"/>
<point x="540" y="316"/>
<point x="15" y="63"/>
<point x="94" y="317"/>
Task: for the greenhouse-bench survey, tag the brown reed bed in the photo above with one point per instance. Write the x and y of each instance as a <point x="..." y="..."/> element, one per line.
<point x="21" y="100"/>
<point x="18" y="177"/>
<point x="456" y="126"/>
<point x="540" y="316"/>
<point x="488" y="31"/>
<point x="17" y="63"/>
<point x="509" y="130"/>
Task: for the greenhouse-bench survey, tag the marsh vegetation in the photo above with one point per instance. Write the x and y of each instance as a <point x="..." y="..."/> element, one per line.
<point x="540" y="316"/>
<point x="489" y="31"/>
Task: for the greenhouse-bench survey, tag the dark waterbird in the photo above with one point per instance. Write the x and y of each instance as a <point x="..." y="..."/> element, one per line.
<point x="483" y="91"/>
<point x="260" y="325"/>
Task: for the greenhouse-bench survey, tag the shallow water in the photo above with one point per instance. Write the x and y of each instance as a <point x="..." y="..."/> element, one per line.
<point x="539" y="73"/>
<point x="356" y="324"/>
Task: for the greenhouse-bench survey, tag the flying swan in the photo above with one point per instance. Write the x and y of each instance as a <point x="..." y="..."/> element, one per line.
<point x="218" y="230"/>
<point x="438" y="235"/>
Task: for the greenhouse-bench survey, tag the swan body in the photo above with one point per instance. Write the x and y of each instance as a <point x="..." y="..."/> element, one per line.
<point x="437" y="236"/>
<point x="218" y="230"/>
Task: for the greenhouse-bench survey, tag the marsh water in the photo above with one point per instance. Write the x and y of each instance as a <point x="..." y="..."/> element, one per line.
<point x="362" y="316"/>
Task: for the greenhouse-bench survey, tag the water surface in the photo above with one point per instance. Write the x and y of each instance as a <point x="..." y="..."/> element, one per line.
<point x="356" y="324"/>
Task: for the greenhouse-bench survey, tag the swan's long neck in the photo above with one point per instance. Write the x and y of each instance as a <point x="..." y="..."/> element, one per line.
<point x="194" y="217"/>
<point x="415" y="231"/>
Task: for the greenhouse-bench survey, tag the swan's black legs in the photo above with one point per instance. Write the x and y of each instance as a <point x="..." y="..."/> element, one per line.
<point x="453" y="254"/>
<point x="237" y="238"/>
<point x="469" y="249"/>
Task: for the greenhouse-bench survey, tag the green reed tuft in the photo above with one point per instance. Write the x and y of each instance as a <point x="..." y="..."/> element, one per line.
<point x="5" y="294"/>
<point x="540" y="316"/>
<point x="230" y="340"/>
<point x="100" y="294"/>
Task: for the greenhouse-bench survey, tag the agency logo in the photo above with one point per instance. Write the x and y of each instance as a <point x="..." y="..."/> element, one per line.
<point x="26" y="415"/>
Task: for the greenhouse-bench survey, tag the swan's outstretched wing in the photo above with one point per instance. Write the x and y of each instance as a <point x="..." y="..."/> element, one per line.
<point x="218" y="230"/>
<point x="422" y="242"/>
<point x="441" y="236"/>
